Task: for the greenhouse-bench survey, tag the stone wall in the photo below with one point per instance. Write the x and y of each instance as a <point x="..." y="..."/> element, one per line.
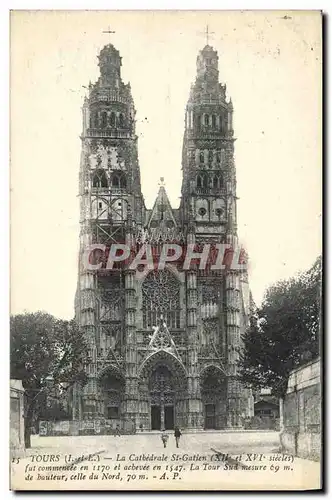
<point x="85" y="427"/>
<point x="301" y="434"/>
<point x="16" y="414"/>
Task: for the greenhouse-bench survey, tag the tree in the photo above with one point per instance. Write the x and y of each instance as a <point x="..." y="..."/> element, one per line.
<point x="284" y="332"/>
<point x="44" y="348"/>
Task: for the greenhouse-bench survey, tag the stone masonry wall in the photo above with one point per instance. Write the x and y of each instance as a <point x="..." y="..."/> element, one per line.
<point x="301" y="435"/>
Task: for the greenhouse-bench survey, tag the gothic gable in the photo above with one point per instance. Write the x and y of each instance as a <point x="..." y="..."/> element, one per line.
<point x="162" y="214"/>
<point x="162" y="339"/>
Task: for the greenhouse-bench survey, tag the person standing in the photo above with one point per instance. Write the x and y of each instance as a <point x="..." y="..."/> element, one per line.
<point x="164" y="438"/>
<point x="177" y="435"/>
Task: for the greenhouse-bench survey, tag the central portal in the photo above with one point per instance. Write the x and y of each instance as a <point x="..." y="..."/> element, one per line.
<point x="162" y="399"/>
<point x="169" y="417"/>
<point x="156" y="417"/>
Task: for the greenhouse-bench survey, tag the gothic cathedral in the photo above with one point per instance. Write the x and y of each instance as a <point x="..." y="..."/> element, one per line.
<point x="162" y="349"/>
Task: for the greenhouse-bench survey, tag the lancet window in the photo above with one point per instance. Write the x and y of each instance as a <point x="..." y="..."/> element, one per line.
<point x="112" y="119"/>
<point x="119" y="180"/>
<point x="99" y="179"/>
<point x="201" y="181"/>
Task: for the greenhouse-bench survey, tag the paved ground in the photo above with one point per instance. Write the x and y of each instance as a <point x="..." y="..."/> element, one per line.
<point x="128" y="462"/>
<point x="199" y="442"/>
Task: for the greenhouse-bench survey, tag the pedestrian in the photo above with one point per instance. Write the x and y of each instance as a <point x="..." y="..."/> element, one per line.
<point x="177" y="435"/>
<point x="117" y="431"/>
<point x="164" y="437"/>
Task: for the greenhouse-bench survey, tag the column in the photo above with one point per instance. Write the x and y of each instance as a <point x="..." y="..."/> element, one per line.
<point x="131" y="390"/>
<point x="195" y="413"/>
<point x="144" y="408"/>
<point x="86" y="396"/>
<point x="130" y="404"/>
<point x="234" y="396"/>
<point x="162" y="411"/>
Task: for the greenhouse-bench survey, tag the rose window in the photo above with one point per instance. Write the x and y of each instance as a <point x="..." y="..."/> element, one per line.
<point x="161" y="296"/>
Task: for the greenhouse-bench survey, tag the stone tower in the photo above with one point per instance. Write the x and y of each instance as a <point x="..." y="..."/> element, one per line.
<point x="110" y="191"/>
<point x="163" y="345"/>
<point x="208" y="211"/>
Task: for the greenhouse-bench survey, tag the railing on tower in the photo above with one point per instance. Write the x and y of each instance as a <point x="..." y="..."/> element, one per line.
<point x="107" y="95"/>
<point x="113" y="133"/>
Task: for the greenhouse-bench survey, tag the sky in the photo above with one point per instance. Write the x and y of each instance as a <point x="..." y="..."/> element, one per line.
<point x="272" y="67"/>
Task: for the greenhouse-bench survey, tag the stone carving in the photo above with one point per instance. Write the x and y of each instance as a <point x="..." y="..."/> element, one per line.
<point x="161" y="339"/>
<point x="210" y="292"/>
<point x="161" y="382"/>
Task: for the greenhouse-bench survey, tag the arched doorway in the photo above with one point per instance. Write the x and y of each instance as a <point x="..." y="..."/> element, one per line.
<point x="162" y="398"/>
<point x="163" y="390"/>
<point x="112" y="386"/>
<point x="213" y="391"/>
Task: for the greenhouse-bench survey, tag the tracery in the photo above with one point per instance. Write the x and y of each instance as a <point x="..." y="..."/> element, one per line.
<point x="161" y="295"/>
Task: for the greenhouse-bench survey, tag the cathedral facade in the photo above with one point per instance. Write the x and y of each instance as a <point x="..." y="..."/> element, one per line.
<point x="164" y="343"/>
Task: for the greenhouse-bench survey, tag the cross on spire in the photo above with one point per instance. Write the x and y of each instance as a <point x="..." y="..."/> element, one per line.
<point x="109" y="32"/>
<point x="208" y="34"/>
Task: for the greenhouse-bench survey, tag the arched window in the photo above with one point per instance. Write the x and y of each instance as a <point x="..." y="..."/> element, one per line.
<point x="210" y="157"/>
<point x="218" y="156"/>
<point x="115" y="181"/>
<point x="201" y="181"/>
<point x="119" y="180"/>
<point x="112" y="119"/>
<point x="99" y="179"/>
<point x="161" y="296"/>
<point x="214" y="120"/>
<point x="205" y="181"/>
<point x="123" y="182"/>
<point x="94" y="120"/>
<point x="217" y="181"/>
<point x="206" y="119"/>
<point x="201" y="156"/>
<point x="222" y="125"/>
<point x="104" y="119"/>
<point x="121" y="120"/>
